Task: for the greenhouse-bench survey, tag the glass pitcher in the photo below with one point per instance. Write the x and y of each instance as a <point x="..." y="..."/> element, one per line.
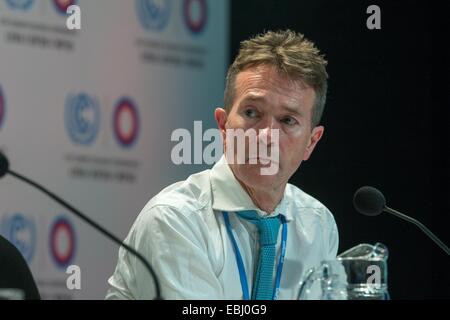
<point x="359" y="273"/>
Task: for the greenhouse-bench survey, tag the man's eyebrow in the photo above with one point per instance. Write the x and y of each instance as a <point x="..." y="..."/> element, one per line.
<point x="293" y="110"/>
<point x="254" y="97"/>
<point x="261" y="98"/>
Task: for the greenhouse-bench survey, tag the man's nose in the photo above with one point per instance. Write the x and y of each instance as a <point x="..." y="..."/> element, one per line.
<point x="265" y="133"/>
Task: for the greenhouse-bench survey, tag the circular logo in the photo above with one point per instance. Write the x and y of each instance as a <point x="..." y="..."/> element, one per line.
<point x="62" y="242"/>
<point x="2" y="107"/>
<point x="153" y="14"/>
<point x="21" y="232"/>
<point x="195" y="14"/>
<point x="20" y="4"/>
<point x="62" y="5"/>
<point x="82" y="118"/>
<point x="126" y="122"/>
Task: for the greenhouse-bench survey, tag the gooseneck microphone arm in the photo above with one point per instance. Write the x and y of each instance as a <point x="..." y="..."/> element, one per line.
<point x="369" y="201"/>
<point x="422" y="227"/>
<point x="4" y="168"/>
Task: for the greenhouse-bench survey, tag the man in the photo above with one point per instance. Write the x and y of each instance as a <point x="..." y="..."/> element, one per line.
<point x="233" y="232"/>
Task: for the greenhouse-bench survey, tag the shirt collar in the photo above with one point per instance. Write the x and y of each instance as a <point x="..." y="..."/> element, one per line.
<point x="230" y="196"/>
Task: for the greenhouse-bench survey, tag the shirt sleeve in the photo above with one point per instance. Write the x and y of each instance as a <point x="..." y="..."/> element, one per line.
<point x="175" y="244"/>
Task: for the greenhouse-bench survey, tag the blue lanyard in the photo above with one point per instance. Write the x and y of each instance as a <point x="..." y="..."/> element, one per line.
<point x="240" y="262"/>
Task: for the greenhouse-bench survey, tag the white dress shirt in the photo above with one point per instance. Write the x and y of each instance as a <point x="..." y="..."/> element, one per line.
<point x="181" y="231"/>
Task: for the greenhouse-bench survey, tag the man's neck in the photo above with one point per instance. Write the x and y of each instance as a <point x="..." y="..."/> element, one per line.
<point x="266" y="200"/>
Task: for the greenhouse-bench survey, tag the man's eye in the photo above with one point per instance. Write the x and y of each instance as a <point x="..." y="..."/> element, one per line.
<point x="251" y="113"/>
<point x="289" y="121"/>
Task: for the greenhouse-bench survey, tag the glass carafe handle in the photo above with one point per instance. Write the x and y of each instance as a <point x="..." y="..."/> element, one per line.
<point x="312" y="275"/>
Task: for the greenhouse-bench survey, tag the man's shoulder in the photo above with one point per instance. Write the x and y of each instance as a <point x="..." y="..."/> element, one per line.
<point x="302" y="200"/>
<point x="185" y="197"/>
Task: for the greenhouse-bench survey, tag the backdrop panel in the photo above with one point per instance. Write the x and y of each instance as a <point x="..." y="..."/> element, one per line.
<point x="90" y="113"/>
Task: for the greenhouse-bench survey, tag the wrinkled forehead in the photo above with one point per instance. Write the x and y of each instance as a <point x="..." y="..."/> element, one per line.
<point x="267" y="82"/>
<point x="268" y="77"/>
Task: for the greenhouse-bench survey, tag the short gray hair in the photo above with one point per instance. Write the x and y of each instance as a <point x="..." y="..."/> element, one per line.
<point x="292" y="54"/>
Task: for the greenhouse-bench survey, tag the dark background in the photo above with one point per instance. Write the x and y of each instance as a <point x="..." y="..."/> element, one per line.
<point x="386" y="124"/>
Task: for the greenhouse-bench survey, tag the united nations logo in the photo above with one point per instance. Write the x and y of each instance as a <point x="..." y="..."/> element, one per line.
<point x="82" y="116"/>
<point x="20" y="4"/>
<point x="2" y="107"/>
<point x="20" y="230"/>
<point x="153" y="14"/>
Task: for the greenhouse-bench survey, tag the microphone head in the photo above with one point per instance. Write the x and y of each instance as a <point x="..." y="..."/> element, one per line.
<point x="4" y="165"/>
<point x="369" y="201"/>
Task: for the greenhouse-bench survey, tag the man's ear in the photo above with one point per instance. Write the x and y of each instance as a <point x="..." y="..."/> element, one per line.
<point x="221" y="118"/>
<point x="316" y="135"/>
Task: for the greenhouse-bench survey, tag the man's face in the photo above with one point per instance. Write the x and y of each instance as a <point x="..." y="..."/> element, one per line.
<point x="265" y="100"/>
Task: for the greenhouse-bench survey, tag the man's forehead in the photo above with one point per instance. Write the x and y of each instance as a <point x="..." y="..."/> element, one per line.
<point x="259" y="79"/>
<point x="257" y="84"/>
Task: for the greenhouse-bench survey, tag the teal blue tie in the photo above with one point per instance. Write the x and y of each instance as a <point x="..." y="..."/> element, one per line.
<point x="268" y="234"/>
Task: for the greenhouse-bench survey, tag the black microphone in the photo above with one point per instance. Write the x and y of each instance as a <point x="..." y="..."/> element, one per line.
<point x="4" y="169"/>
<point x="16" y="273"/>
<point x="371" y="202"/>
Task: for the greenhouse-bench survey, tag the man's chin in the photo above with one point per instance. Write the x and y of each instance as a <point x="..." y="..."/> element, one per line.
<point x="257" y="174"/>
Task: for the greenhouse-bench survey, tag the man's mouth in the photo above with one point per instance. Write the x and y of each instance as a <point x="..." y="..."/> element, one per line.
<point x="261" y="161"/>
